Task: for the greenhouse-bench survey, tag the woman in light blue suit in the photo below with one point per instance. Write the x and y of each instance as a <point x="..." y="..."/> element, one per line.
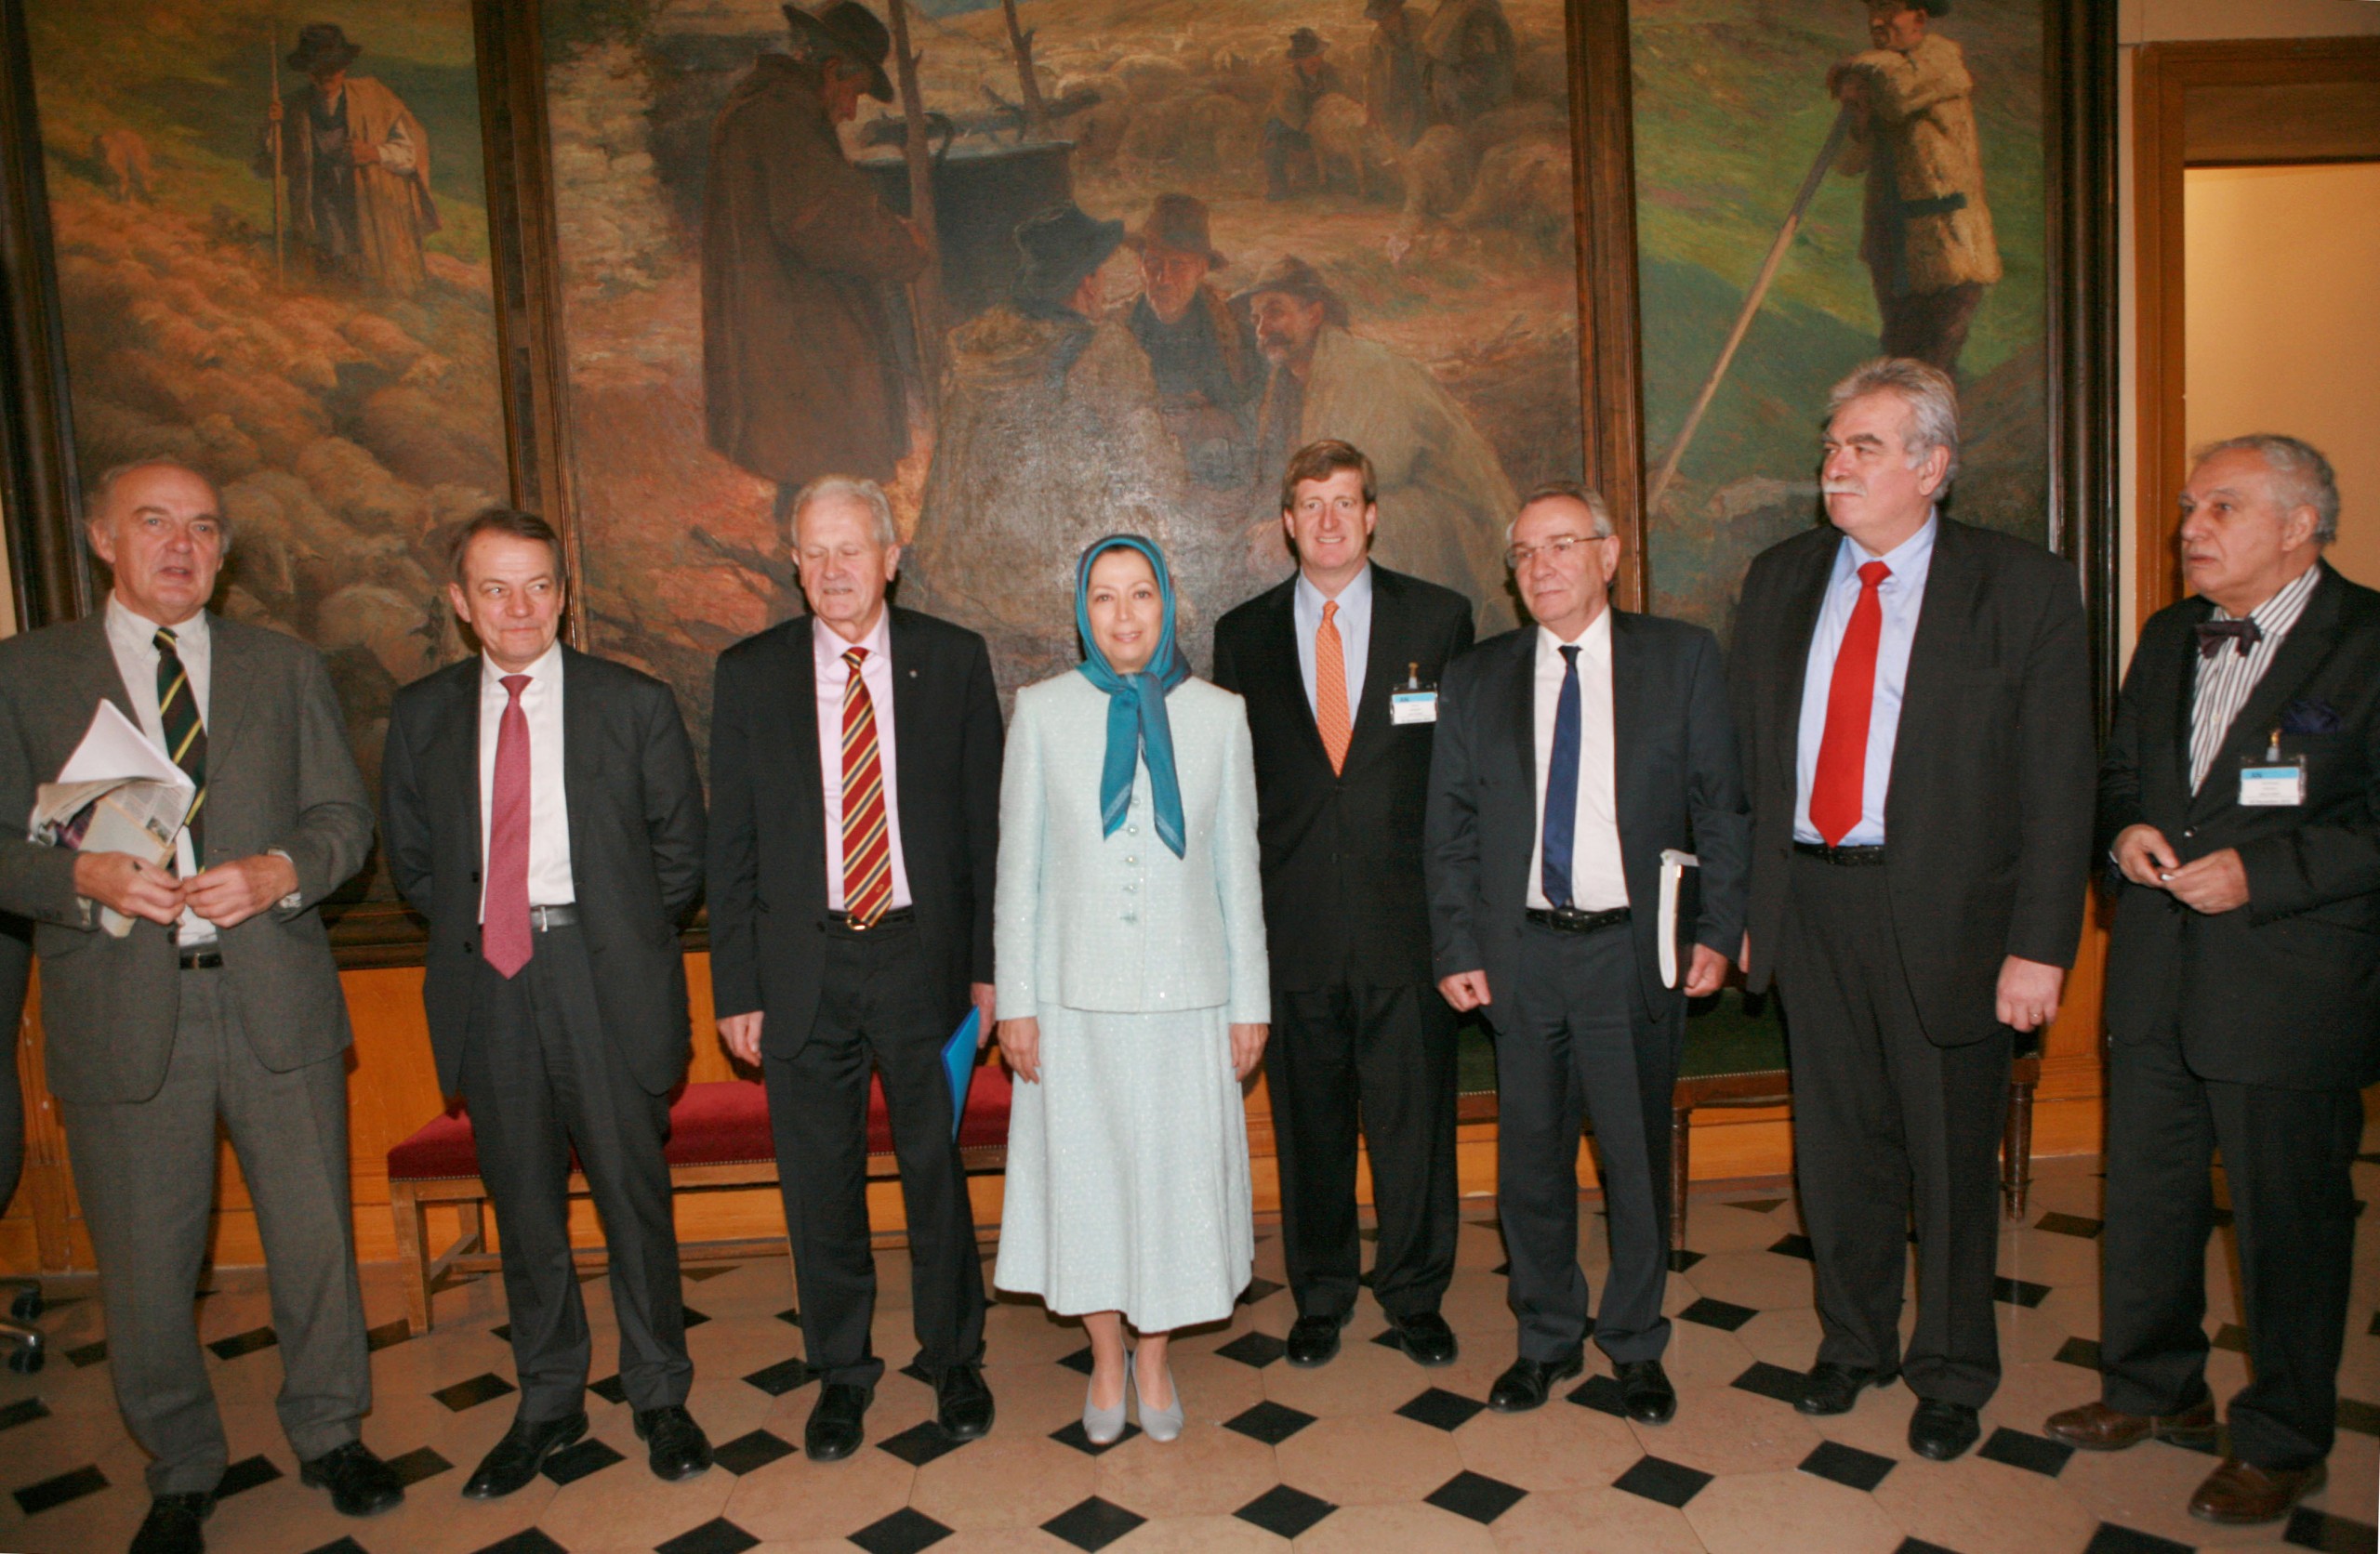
<point x="1129" y="937"/>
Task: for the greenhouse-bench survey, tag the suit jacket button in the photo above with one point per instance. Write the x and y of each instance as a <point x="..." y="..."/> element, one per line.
<point x="469" y="948"/>
<point x="2189" y="831"/>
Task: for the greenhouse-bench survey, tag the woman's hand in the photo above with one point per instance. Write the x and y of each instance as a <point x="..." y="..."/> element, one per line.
<point x="1247" y="1048"/>
<point x="1021" y="1044"/>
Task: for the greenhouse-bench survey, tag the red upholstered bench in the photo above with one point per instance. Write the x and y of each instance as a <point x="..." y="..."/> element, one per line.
<point x="719" y="1137"/>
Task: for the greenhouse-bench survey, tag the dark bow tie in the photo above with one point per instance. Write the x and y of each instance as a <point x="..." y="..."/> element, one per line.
<point x="2212" y="635"/>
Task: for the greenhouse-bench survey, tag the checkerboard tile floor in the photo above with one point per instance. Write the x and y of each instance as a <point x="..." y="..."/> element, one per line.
<point x="1369" y="1453"/>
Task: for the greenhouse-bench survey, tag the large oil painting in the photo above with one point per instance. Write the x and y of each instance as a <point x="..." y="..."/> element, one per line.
<point x="1170" y="242"/>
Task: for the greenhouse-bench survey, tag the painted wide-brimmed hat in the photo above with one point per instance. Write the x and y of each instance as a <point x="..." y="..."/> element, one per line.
<point x="852" y="30"/>
<point x="322" y="45"/>
<point x="1305" y="42"/>
<point x="1293" y="277"/>
<point x="1059" y="247"/>
<point x="1176" y="223"/>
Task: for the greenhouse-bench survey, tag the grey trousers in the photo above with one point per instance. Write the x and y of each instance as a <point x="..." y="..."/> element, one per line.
<point x="145" y="1171"/>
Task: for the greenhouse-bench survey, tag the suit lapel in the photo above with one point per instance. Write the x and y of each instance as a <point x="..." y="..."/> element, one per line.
<point x="228" y="678"/>
<point x="1951" y="579"/>
<point x="452" y="752"/>
<point x="799" y="684"/>
<point x="1802" y="610"/>
<point x="1280" y="665"/>
<point x="1383" y="657"/>
<point x="582" y="750"/>
<point x="910" y="688"/>
<point x="1520" y="705"/>
<point x="2186" y="699"/>
<point x="1626" y="721"/>
<point x="102" y="678"/>
<point x="2308" y="643"/>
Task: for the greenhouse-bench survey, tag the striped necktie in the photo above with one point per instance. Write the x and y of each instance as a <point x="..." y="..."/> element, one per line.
<point x="1330" y="689"/>
<point x="185" y="735"/>
<point x="867" y="842"/>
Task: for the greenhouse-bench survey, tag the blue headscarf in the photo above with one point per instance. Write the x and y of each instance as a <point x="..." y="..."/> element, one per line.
<point x="1136" y="723"/>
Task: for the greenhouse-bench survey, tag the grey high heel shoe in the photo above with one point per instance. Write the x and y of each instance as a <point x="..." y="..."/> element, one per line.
<point x="1158" y="1424"/>
<point x="1105" y="1427"/>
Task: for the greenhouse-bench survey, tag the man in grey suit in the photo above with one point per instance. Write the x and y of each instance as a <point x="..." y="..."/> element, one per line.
<point x="220" y="1005"/>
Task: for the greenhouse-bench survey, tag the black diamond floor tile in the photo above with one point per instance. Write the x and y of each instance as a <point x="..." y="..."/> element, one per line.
<point x="1256" y="1350"/>
<point x="572" y="1464"/>
<point x="530" y="1541"/>
<point x="1661" y="1480"/>
<point x="1092" y="1524"/>
<point x="717" y="1535"/>
<point x="611" y="1390"/>
<point x="2019" y="1292"/>
<point x="1269" y="1422"/>
<point x="479" y="1389"/>
<point x="1477" y="1496"/>
<point x="1725" y="1315"/>
<point x="1919" y="1545"/>
<point x="1847" y="1465"/>
<point x="2035" y="1453"/>
<point x="340" y="1545"/>
<point x="2070" y="1224"/>
<point x="245" y="1474"/>
<point x="1260" y="1289"/>
<point x="918" y="1373"/>
<point x="1681" y="1259"/>
<point x="780" y="1378"/>
<point x="1080" y="1439"/>
<point x="1600" y="1394"/>
<point x="694" y="1318"/>
<point x="2230" y="1336"/>
<point x="1441" y="1409"/>
<point x="1772" y="1381"/>
<point x="790" y="1316"/>
<point x="2084" y="1352"/>
<point x="2361" y="1417"/>
<point x="52" y="1493"/>
<point x="1388" y="1338"/>
<point x="904" y="1531"/>
<point x="25" y="1411"/>
<point x="1078" y="1361"/>
<point x="751" y="1452"/>
<point x="1795" y="1245"/>
<point x="387" y="1335"/>
<point x="2373" y="1331"/>
<point x="920" y="1444"/>
<point x="1284" y="1512"/>
<point x="421" y="1463"/>
<point x="2334" y="1534"/>
<point x="707" y="1272"/>
<point x="2112" y="1539"/>
<point x="501" y="1332"/>
<point x="1757" y="1206"/>
<point x="87" y="1354"/>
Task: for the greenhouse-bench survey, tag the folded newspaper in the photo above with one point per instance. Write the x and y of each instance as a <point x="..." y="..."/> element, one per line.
<point x="117" y="792"/>
<point x="1673" y="866"/>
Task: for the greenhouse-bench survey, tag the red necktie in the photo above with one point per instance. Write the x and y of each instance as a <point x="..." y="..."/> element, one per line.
<point x="868" y="843"/>
<point x="504" y="915"/>
<point x="1835" y="796"/>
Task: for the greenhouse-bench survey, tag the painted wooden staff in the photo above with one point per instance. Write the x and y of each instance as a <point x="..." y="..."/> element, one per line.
<point x="272" y="67"/>
<point x="925" y="292"/>
<point x="1020" y="43"/>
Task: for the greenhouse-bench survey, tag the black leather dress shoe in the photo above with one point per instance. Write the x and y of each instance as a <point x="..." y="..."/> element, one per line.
<point x="675" y="1446"/>
<point x="834" y="1430"/>
<point x="1426" y="1339"/>
<point x="1942" y="1430"/>
<point x="1315" y="1340"/>
<point x="361" y="1484"/>
<point x="172" y="1525"/>
<point x="514" y="1461"/>
<point x="1644" y="1391"/>
<point x="1525" y="1384"/>
<point x="1832" y="1389"/>
<point x="962" y="1403"/>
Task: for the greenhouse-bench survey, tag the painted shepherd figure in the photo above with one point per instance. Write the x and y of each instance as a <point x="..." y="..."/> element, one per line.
<point x="1202" y="350"/>
<point x="357" y="165"/>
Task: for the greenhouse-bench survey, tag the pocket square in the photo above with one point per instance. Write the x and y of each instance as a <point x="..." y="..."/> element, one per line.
<point x="2306" y="716"/>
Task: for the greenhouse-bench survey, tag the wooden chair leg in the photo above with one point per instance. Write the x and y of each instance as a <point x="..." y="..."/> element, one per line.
<point x="1681" y="1162"/>
<point x="2017" y="1150"/>
<point x="406" y="1210"/>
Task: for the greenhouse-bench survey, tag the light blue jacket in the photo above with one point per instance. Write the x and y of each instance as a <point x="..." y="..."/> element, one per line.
<point x="1117" y="923"/>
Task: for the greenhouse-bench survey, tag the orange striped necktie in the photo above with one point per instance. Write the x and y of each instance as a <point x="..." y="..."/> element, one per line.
<point x="867" y="840"/>
<point x="1331" y="688"/>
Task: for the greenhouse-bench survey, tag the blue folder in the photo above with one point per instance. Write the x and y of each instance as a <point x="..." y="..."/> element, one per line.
<point x="958" y="1063"/>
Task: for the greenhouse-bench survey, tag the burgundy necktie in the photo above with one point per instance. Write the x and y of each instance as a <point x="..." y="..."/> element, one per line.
<point x="1836" y="800"/>
<point x="504" y="915"/>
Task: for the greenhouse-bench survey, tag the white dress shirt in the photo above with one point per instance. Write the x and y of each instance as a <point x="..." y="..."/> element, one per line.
<point x="134" y="639"/>
<point x="1900" y="596"/>
<point x="1598" y="883"/>
<point x="1355" y="623"/>
<point x="2228" y="678"/>
<point x="834" y="678"/>
<point x="549" y="878"/>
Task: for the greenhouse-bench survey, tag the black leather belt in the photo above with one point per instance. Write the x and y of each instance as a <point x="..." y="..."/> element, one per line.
<point x="1843" y="857"/>
<point x="1569" y="919"/>
<point x="894" y="919"/>
<point x="208" y="960"/>
<point x="544" y="917"/>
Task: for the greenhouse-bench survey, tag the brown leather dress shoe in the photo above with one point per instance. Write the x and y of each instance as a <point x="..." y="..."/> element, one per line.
<point x="2239" y="1493"/>
<point x="2097" y="1427"/>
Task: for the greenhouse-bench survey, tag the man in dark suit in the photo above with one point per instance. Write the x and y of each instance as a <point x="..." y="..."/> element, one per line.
<point x="855" y="777"/>
<point x="1914" y="698"/>
<point x="1571" y="756"/>
<point x="555" y="989"/>
<point x="1340" y="668"/>
<point x="219" y="1007"/>
<point x="2239" y="802"/>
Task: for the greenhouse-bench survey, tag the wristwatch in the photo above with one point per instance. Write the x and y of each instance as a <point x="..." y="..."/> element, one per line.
<point x="297" y="897"/>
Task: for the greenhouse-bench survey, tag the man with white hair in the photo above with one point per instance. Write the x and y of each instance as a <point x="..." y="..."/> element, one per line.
<point x="2244" y="976"/>
<point x="855" y="781"/>
<point x="1913" y="699"/>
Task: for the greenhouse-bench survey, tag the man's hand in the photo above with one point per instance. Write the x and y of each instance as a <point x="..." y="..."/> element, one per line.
<point x="2028" y="993"/>
<point x="1248" y="1047"/>
<point x="1465" y="990"/>
<point x="984" y="996"/>
<point x="742" y="1035"/>
<point x="229" y="894"/>
<point x="1743" y="957"/>
<point x="132" y="886"/>
<point x="1021" y="1044"/>
<point x="2218" y="882"/>
<point x="2144" y="856"/>
<point x="1707" y="972"/>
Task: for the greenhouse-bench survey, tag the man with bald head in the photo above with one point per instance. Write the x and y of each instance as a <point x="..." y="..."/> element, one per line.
<point x="2236" y="803"/>
<point x="220" y="1006"/>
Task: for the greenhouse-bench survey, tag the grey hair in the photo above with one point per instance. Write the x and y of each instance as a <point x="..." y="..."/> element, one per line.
<point x="1598" y="511"/>
<point x="1932" y="398"/>
<point x="2299" y="470"/>
<point x="102" y="491"/>
<point x="851" y="488"/>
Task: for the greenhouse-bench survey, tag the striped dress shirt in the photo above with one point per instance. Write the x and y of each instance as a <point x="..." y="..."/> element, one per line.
<point x="2227" y="679"/>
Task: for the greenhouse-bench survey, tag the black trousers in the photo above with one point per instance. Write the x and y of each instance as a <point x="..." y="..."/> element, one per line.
<point x="2287" y="1156"/>
<point x="1576" y="1039"/>
<point x="542" y="1078"/>
<point x="877" y="1010"/>
<point x="1381" y="1058"/>
<point x="1886" y="1127"/>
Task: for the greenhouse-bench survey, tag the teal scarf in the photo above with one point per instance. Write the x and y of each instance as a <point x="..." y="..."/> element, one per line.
<point x="1137" y="729"/>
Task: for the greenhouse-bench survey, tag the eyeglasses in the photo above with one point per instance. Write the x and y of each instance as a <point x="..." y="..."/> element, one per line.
<point x="1559" y="548"/>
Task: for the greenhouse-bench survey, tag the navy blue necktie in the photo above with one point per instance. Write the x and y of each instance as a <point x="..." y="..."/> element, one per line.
<point x="1562" y="786"/>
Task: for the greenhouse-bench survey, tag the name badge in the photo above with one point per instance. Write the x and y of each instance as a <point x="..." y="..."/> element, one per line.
<point x="2268" y="785"/>
<point x="1413" y="706"/>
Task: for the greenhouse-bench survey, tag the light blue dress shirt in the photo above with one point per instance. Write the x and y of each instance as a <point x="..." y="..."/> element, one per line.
<point x="1901" y="596"/>
<point x="1355" y="623"/>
